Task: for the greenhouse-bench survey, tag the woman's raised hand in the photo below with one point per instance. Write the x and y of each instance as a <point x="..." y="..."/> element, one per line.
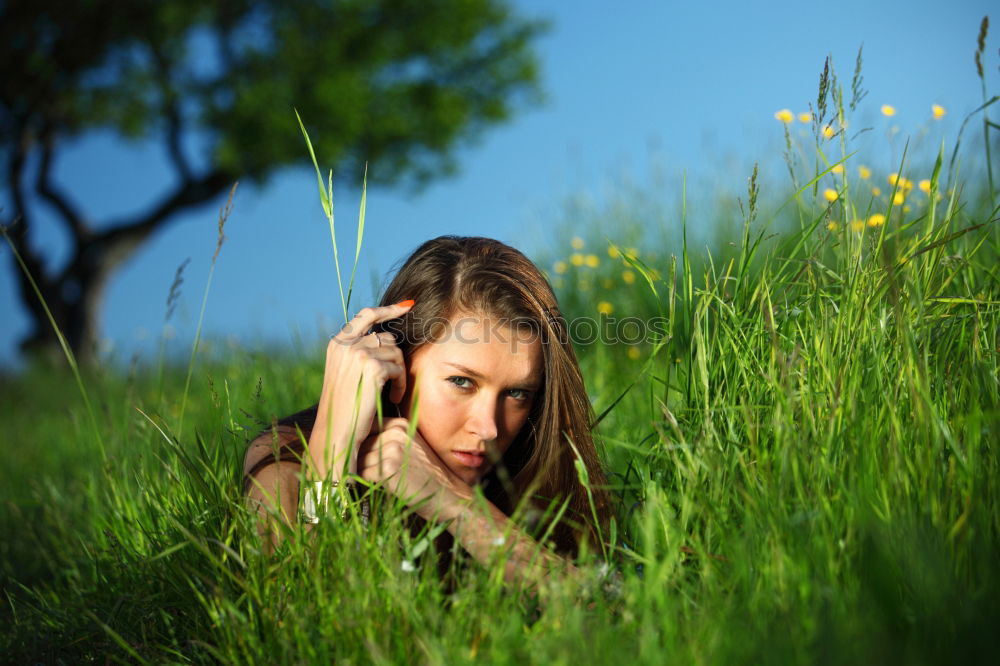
<point x="410" y="470"/>
<point x="358" y="364"/>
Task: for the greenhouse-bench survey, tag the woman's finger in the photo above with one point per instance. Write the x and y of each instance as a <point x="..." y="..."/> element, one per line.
<point x="367" y="317"/>
<point x="396" y="422"/>
<point x="393" y="354"/>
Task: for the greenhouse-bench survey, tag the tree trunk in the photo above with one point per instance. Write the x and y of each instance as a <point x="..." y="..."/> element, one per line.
<point x="75" y="300"/>
<point x="74" y="297"/>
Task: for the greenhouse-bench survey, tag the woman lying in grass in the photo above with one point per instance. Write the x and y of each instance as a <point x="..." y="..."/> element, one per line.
<point x="479" y="386"/>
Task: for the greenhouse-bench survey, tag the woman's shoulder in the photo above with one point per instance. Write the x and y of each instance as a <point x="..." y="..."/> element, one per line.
<point x="289" y="433"/>
<point x="268" y="444"/>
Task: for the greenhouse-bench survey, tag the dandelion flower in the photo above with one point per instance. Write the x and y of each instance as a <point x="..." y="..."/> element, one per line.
<point x="784" y="116"/>
<point x="830" y="195"/>
<point x="592" y="260"/>
<point x="937" y="111"/>
<point x="837" y="168"/>
<point x="576" y="259"/>
<point x="577" y="243"/>
<point x="805" y="117"/>
<point x="857" y="225"/>
<point x="925" y="186"/>
<point x="634" y="353"/>
<point x="876" y="191"/>
<point x="561" y="267"/>
<point x="605" y="308"/>
<point x="876" y="220"/>
<point x="828" y="132"/>
<point x="899" y="198"/>
<point x="888" y="110"/>
<point x="628" y="277"/>
<point x="864" y="172"/>
<point x="613" y="252"/>
<point x="832" y="226"/>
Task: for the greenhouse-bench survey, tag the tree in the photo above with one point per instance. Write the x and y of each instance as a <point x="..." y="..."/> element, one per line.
<point x="398" y="84"/>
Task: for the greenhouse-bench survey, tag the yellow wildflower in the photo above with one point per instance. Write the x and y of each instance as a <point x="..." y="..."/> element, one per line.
<point x="876" y="220"/>
<point x="899" y="181"/>
<point x="613" y="252"/>
<point x="593" y="260"/>
<point x="830" y="195"/>
<point x="577" y="243"/>
<point x="937" y="111"/>
<point x="633" y="252"/>
<point x="837" y="168"/>
<point x="634" y="353"/>
<point x="925" y="186"/>
<point x="907" y="208"/>
<point x="899" y="198"/>
<point x="876" y="191"/>
<point x="828" y="132"/>
<point x="857" y="225"/>
<point x="605" y="308"/>
<point x="888" y="110"/>
<point x="832" y="226"/>
<point x="607" y="283"/>
<point x="805" y="117"/>
<point x="576" y="259"/>
<point x="784" y="116"/>
<point x="864" y="172"/>
<point x="628" y="277"/>
<point x="561" y="267"/>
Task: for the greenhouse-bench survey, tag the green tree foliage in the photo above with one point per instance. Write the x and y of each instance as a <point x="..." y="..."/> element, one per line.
<point x="398" y="84"/>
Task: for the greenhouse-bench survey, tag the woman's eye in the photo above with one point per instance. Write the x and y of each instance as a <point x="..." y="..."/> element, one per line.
<point x="461" y="382"/>
<point x="520" y="395"/>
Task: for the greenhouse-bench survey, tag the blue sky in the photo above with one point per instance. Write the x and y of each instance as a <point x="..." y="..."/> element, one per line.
<point x="630" y="86"/>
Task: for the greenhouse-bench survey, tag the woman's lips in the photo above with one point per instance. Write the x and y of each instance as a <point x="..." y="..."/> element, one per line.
<point x="470" y="458"/>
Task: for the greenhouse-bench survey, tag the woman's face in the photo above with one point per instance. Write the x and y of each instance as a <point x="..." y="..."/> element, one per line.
<point x="475" y="388"/>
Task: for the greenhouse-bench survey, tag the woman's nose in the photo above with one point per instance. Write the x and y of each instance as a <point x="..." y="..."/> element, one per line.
<point x="483" y="419"/>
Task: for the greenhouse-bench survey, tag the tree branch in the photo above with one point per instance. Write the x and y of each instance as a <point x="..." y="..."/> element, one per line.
<point x="189" y="193"/>
<point x="48" y="191"/>
<point x="106" y="249"/>
<point x="172" y="114"/>
<point x="17" y="232"/>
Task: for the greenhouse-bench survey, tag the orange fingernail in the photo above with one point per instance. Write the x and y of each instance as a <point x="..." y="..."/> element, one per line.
<point x="406" y="303"/>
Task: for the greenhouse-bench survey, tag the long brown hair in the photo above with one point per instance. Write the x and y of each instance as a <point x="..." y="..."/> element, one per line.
<point x="451" y="275"/>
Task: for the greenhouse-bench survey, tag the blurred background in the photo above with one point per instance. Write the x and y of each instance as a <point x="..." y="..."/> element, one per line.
<point x="124" y="126"/>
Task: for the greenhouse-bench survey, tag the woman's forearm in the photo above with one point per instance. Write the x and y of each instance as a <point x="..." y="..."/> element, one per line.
<point x="327" y="456"/>
<point x="486" y="532"/>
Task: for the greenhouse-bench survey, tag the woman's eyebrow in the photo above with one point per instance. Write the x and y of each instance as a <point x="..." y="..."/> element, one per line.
<point x="464" y="370"/>
<point x="528" y="383"/>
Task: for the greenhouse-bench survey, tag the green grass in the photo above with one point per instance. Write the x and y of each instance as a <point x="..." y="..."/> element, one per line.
<point x="807" y="469"/>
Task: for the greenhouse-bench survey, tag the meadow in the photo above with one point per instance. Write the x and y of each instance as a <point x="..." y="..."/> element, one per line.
<point x="805" y="457"/>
